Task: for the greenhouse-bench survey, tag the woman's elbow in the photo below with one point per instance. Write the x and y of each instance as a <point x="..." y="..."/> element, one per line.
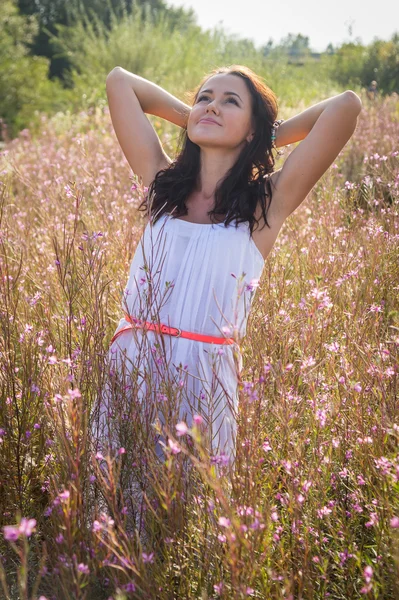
<point x="354" y="100"/>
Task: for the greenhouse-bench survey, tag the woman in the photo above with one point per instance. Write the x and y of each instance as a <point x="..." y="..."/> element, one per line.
<point x="213" y="215"/>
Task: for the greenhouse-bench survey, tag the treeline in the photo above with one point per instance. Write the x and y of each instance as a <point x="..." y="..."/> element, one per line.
<point x="55" y="56"/>
<point x="350" y="64"/>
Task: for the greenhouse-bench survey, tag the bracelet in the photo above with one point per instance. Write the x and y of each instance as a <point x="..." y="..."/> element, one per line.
<point x="273" y="136"/>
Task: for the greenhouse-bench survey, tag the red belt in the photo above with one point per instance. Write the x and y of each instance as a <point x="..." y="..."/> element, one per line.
<point x="175" y="331"/>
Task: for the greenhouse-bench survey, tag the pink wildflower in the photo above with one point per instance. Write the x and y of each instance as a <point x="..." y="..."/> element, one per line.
<point x="181" y="428"/>
<point x="224" y="522"/>
<point x="174" y="446"/>
<point x="394" y="522"/>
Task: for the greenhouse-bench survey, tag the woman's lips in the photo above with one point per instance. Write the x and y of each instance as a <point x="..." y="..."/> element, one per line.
<point x="209" y="121"/>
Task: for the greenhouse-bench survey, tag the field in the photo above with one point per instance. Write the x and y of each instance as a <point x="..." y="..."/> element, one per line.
<point x="312" y="508"/>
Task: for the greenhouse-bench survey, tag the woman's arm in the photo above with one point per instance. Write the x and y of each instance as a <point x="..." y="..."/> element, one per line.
<point x="129" y="98"/>
<point x="297" y="128"/>
<point x="329" y="126"/>
<point x="153" y="99"/>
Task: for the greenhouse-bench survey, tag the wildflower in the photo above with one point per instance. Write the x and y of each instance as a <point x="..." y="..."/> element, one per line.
<point x="349" y="185"/>
<point x="252" y="285"/>
<point x="250" y="591"/>
<point x="373" y="520"/>
<point x="218" y="587"/>
<point x="148" y="558"/>
<point x="357" y="387"/>
<point x="68" y="191"/>
<point x="174" y="446"/>
<point x="394" y="522"/>
<point x="198" y="419"/>
<point x="74" y="393"/>
<point x="321" y="416"/>
<point x="83" y="568"/>
<point x="224" y="522"/>
<point x="344" y="556"/>
<point x="333" y="347"/>
<point x="97" y="526"/>
<point x="316" y="559"/>
<point x="25" y="528"/>
<point x="375" y="308"/>
<point x="64" y="495"/>
<point x="323" y="511"/>
<point x="121" y="451"/>
<point x="181" y="428"/>
<point x="11" y="533"/>
<point x="383" y="464"/>
<point x="368" y="574"/>
<point x="308" y="362"/>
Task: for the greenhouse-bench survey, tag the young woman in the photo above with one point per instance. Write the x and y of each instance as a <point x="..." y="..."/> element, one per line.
<point x="213" y="214"/>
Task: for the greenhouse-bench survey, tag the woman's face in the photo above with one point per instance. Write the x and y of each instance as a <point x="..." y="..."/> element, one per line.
<point x="225" y="99"/>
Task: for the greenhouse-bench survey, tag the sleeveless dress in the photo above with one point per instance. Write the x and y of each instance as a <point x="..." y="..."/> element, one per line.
<point x="200" y="278"/>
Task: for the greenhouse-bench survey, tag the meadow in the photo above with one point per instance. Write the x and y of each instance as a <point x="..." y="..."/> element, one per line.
<point x="311" y="509"/>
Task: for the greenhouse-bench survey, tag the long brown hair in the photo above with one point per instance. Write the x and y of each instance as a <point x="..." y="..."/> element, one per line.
<point x="245" y="184"/>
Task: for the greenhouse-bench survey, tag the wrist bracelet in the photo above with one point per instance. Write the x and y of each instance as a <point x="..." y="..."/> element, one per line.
<point x="273" y="136"/>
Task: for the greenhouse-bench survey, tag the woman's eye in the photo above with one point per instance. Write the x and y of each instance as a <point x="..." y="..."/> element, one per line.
<point x="228" y="100"/>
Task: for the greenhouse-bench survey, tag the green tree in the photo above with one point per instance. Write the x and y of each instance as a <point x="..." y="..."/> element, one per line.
<point x="382" y="64"/>
<point x="51" y="13"/>
<point x="296" y="46"/>
<point x="24" y="83"/>
<point x="347" y="64"/>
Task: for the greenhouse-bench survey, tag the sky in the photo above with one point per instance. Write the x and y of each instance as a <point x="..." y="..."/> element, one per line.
<point x="322" y="22"/>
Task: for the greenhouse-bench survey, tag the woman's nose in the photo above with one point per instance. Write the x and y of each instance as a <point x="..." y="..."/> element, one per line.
<point x="212" y="106"/>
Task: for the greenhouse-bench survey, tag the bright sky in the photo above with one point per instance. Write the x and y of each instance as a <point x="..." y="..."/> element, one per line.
<point x="322" y="22"/>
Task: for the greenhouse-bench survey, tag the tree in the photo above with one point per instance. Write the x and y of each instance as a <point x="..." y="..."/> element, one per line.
<point x="267" y="48"/>
<point x="50" y="13"/>
<point x="330" y="49"/>
<point x="382" y="64"/>
<point x="24" y="84"/>
<point x="297" y="46"/>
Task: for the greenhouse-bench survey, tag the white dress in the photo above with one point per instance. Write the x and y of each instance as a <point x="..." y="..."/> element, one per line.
<point x="200" y="278"/>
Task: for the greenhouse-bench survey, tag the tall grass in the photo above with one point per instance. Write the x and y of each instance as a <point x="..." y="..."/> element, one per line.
<point x="311" y="508"/>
